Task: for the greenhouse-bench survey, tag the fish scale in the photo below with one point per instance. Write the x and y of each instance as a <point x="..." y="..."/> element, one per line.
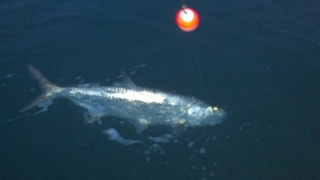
<point x="140" y="106"/>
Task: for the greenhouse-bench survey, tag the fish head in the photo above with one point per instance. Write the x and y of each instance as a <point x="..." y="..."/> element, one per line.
<point x="205" y="115"/>
<point x="216" y="116"/>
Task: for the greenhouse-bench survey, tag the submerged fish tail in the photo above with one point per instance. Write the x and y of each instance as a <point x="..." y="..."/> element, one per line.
<point x="49" y="89"/>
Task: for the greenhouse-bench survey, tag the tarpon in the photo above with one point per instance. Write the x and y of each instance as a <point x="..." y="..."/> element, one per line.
<point x="140" y="106"/>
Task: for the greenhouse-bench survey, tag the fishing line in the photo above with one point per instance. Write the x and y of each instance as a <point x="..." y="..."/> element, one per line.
<point x="184" y="6"/>
<point x="199" y="69"/>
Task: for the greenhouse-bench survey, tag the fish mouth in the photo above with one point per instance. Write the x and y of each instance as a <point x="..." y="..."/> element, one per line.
<point x="218" y="115"/>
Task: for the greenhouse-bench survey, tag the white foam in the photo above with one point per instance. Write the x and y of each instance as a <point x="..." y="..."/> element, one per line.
<point x="203" y="150"/>
<point x="190" y="144"/>
<point x="44" y="105"/>
<point x="114" y="135"/>
<point x="161" y="139"/>
<point x="9" y="75"/>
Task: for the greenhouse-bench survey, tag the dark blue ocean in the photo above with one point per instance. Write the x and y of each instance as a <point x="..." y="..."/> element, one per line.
<point x="258" y="59"/>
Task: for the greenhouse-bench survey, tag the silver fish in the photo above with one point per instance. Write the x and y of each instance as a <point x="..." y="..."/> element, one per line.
<point x="140" y="106"/>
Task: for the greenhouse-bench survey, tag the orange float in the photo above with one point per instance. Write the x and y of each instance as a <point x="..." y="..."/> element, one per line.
<point x="187" y="19"/>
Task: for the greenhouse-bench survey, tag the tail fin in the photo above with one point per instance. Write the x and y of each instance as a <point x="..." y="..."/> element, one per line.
<point x="45" y="84"/>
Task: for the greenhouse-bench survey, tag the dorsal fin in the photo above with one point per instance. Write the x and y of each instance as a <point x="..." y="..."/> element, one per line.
<point x="125" y="81"/>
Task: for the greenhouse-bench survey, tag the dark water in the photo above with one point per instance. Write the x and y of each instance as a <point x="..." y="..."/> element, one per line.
<point x="258" y="58"/>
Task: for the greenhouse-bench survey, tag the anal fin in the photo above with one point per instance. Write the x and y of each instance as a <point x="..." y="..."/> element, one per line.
<point x="141" y="125"/>
<point x="178" y="129"/>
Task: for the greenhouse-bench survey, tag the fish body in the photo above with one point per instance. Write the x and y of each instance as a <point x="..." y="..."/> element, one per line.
<point x="141" y="106"/>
